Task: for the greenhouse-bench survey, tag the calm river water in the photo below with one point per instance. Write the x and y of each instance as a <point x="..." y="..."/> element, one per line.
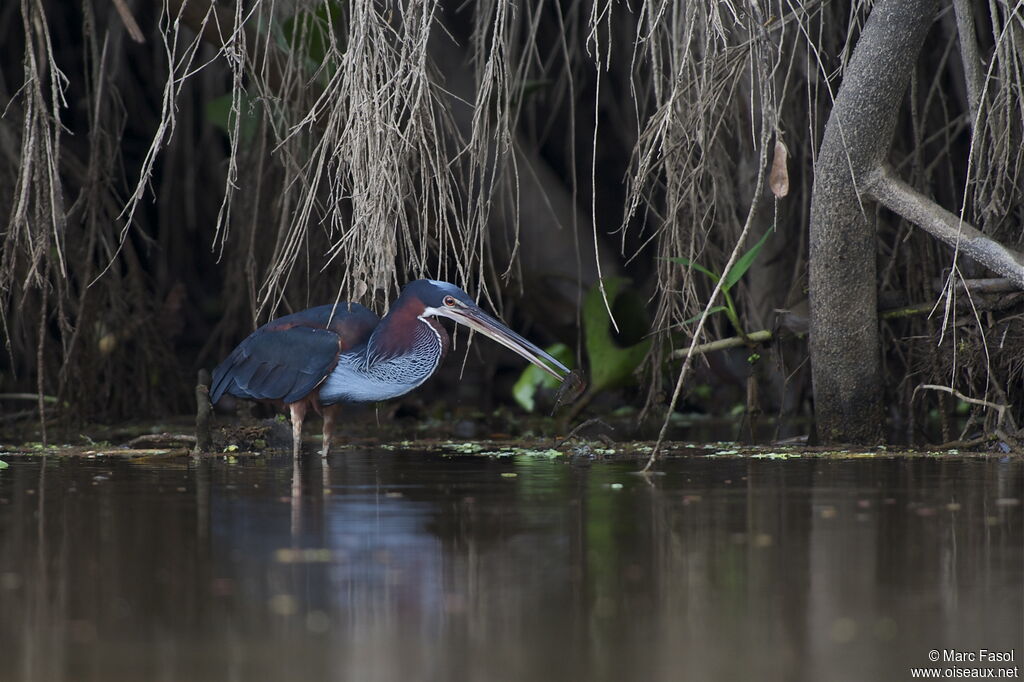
<point x="410" y="566"/>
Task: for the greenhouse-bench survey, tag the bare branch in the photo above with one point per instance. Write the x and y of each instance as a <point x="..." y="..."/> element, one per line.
<point x="901" y="198"/>
<point x="129" y="22"/>
<point x="969" y="55"/>
<point x="760" y="336"/>
<point x="999" y="409"/>
<point x="987" y="285"/>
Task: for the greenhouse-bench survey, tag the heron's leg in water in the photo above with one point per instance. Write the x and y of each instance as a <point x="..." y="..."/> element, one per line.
<point x="298" y="411"/>
<point x="330" y="412"/>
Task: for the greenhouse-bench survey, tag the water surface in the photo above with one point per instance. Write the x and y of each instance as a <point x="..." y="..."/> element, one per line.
<point x="396" y="565"/>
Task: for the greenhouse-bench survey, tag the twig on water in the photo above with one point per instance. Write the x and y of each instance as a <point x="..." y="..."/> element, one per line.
<point x="580" y="427"/>
<point x="999" y="408"/>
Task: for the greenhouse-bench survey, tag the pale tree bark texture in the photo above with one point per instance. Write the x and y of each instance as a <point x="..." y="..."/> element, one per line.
<point x="844" y="343"/>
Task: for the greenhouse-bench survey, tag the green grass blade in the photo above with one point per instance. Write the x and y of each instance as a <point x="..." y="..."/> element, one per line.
<point x="696" y="266"/>
<point x="715" y="309"/>
<point x="744" y="262"/>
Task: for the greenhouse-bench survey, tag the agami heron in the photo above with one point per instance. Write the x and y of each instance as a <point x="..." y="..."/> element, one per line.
<point x="324" y="357"/>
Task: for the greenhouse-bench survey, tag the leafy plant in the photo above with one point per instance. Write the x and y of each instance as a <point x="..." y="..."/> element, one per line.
<point x="612" y="357"/>
<point x="735" y="273"/>
<point x="610" y="363"/>
<point x="310" y="33"/>
<point x="533" y="378"/>
<point x="219" y="113"/>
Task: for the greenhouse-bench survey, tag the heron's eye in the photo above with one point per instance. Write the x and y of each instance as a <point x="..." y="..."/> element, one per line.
<point x="449" y="301"/>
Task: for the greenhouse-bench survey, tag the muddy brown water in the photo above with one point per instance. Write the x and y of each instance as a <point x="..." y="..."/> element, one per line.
<point x="391" y="565"/>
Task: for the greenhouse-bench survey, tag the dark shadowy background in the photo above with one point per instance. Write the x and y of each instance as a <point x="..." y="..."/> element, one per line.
<point x="147" y="227"/>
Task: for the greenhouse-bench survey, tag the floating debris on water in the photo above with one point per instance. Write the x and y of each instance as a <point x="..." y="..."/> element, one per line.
<point x="464" y="448"/>
<point x="774" y="455"/>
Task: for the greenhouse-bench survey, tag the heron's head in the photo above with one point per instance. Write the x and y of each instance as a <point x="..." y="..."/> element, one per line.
<point x="441" y="299"/>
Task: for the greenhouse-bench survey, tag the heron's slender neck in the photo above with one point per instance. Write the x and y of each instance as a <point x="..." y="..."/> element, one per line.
<point x="404" y="332"/>
<point x="395" y="360"/>
<point x="404" y="349"/>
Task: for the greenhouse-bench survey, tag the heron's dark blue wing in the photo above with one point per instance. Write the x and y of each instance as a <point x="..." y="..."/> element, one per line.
<point x="286" y="359"/>
<point x="277" y="364"/>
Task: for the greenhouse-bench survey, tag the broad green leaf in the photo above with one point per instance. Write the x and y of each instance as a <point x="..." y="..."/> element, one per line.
<point x="534" y="378"/>
<point x="218" y="112"/>
<point x="3" y="464"/>
<point x="610" y="364"/>
<point x="743" y="263"/>
<point x="309" y="32"/>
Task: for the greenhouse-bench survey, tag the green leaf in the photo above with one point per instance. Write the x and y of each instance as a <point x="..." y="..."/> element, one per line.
<point x="218" y="112"/>
<point x="703" y="391"/>
<point x="3" y="464"/>
<point x="715" y="309"/>
<point x="309" y="32"/>
<point x="534" y="378"/>
<point x="696" y="266"/>
<point x="610" y="364"/>
<point x="743" y="263"/>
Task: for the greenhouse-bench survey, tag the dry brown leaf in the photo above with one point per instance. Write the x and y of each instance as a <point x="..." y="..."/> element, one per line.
<point x="778" y="180"/>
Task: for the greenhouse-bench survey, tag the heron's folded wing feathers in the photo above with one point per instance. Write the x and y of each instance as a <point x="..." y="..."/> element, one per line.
<point x="277" y="364"/>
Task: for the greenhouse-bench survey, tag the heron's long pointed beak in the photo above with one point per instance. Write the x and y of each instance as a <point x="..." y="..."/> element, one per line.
<point x="477" y="320"/>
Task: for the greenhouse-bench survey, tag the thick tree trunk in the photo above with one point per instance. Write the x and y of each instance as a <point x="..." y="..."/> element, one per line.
<point x="845" y="353"/>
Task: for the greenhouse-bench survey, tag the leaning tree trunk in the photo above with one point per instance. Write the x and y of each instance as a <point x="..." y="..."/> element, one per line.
<point x="844" y="345"/>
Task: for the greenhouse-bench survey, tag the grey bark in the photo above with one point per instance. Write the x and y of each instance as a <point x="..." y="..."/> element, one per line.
<point x="845" y="352"/>
<point x="901" y="198"/>
<point x="973" y="75"/>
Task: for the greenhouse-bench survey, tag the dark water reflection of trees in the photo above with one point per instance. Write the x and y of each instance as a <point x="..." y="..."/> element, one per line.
<point x="416" y="567"/>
